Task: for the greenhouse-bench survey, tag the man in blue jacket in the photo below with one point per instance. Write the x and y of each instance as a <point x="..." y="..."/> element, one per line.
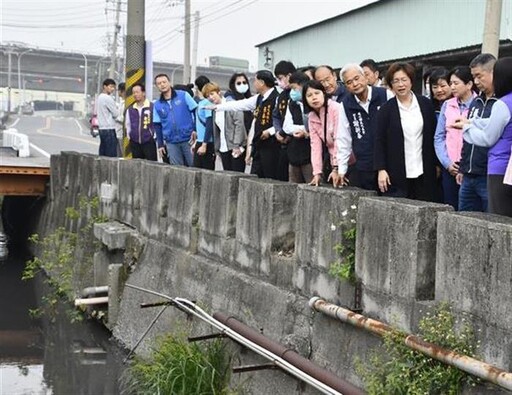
<point x="174" y="122"/>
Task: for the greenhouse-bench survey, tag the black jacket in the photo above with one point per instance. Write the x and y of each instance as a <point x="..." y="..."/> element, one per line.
<point x="389" y="144"/>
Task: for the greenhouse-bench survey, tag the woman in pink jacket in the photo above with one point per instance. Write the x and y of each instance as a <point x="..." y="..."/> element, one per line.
<point x="328" y="126"/>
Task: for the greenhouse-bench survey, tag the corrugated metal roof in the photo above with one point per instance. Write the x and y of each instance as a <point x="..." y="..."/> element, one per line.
<point x="388" y="29"/>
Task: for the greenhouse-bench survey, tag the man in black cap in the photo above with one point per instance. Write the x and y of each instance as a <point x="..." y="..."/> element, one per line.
<point x="263" y="147"/>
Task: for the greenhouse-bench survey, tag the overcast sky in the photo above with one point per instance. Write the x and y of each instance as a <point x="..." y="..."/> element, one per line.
<point x="227" y="28"/>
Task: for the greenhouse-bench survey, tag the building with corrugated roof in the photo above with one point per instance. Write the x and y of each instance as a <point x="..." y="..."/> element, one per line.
<point x="426" y="33"/>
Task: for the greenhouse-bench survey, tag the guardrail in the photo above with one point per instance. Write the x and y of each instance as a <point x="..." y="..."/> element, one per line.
<point x="18" y="141"/>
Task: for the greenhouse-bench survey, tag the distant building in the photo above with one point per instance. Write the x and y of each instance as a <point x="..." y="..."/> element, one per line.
<point x="231" y="63"/>
<point x="427" y="33"/>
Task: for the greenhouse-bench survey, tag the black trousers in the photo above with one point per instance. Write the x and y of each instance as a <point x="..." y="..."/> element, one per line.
<point x="206" y="161"/>
<point x="500" y="195"/>
<point x="229" y="163"/>
<point x="363" y="179"/>
<point x="144" y="150"/>
<point x="266" y="160"/>
<point x="414" y="188"/>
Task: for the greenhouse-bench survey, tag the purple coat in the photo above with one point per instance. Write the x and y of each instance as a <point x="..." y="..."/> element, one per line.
<point x="499" y="153"/>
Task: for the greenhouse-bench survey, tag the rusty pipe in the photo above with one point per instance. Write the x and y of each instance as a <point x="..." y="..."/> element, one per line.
<point x="290" y="356"/>
<point x="467" y="364"/>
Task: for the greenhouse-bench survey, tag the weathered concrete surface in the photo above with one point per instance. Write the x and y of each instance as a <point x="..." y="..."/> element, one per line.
<point x="474" y="273"/>
<point x="395" y="255"/>
<point x="217" y="213"/>
<point x="323" y="215"/>
<point x="190" y="252"/>
<point x="265" y="223"/>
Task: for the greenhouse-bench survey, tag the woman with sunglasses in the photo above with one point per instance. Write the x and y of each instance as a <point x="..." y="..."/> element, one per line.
<point x="240" y="89"/>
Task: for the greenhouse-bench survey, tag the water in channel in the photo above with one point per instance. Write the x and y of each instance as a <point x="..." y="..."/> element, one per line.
<point x="50" y="355"/>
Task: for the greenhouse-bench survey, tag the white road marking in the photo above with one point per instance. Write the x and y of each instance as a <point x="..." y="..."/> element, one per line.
<point x="40" y="150"/>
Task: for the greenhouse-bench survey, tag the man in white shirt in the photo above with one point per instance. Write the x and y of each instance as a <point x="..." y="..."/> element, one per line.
<point x="107" y="115"/>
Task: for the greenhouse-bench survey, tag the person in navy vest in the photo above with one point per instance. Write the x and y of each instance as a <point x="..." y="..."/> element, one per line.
<point x="327" y="77"/>
<point x="361" y="105"/>
<point x="496" y="133"/>
<point x="139" y="125"/>
<point x="174" y="120"/>
<point x="472" y="176"/>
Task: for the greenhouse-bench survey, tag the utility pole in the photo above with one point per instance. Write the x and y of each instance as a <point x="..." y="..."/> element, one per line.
<point x="9" y="87"/>
<point x="186" y="61"/>
<point x="491" y="38"/>
<point x="113" y="63"/>
<point x="194" y="46"/>
<point x="135" y="55"/>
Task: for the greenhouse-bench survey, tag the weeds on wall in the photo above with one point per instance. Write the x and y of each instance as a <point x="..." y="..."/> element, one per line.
<point x="399" y="370"/>
<point x="344" y="267"/>
<point x="56" y="257"/>
<point x="177" y="367"/>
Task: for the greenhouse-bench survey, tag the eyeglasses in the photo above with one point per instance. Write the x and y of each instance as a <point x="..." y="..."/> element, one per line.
<point x="241" y="83"/>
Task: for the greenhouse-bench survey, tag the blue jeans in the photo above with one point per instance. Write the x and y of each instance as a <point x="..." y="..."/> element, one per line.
<point x="450" y="189"/>
<point x="473" y="193"/>
<point x="179" y="154"/>
<point x="108" y="143"/>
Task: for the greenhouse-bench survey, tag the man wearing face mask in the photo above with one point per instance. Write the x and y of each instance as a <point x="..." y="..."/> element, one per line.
<point x="264" y="146"/>
<point x="295" y="127"/>
<point x="282" y="71"/>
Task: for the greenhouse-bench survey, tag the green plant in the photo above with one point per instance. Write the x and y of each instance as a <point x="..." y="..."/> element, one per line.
<point x="399" y="370"/>
<point x="177" y="367"/>
<point x="344" y="267"/>
<point x="56" y="256"/>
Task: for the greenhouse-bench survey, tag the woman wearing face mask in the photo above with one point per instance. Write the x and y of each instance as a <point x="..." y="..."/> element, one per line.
<point x="327" y="120"/>
<point x="295" y="126"/>
<point x="447" y="139"/>
<point x="240" y="89"/>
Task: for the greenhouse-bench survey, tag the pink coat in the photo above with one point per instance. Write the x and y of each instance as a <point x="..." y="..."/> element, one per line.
<point x="453" y="135"/>
<point x="316" y="135"/>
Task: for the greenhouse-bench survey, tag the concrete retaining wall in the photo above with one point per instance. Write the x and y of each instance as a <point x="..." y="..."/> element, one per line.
<point x="258" y="250"/>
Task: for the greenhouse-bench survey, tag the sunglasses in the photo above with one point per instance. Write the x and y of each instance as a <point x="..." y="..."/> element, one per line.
<point x="241" y="83"/>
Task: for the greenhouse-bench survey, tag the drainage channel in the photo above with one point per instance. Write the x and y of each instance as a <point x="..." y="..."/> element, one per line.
<point x="49" y="354"/>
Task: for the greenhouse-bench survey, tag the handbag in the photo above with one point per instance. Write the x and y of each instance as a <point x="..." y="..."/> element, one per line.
<point x="507" y="179"/>
<point x="326" y="165"/>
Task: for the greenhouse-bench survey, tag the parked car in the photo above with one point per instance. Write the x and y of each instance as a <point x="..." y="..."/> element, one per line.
<point x="94" y="126"/>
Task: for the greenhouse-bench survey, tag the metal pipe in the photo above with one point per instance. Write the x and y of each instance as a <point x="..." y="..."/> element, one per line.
<point x="289" y="355"/>
<point x="91" y="301"/>
<point x="191" y="308"/>
<point x="94" y="290"/>
<point x="469" y="365"/>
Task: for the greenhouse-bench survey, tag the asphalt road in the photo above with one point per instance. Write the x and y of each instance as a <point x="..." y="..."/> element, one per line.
<point x="52" y="132"/>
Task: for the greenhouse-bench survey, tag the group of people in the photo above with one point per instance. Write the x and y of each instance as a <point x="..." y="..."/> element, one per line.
<point x="311" y="125"/>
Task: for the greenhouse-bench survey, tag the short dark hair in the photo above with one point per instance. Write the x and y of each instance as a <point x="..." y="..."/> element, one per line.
<point x="323" y="66"/>
<point x="439" y="73"/>
<point x="312" y="84"/>
<point x="502" y="76"/>
<point x="284" y="67"/>
<point x="161" y="75"/>
<point x="307" y="68"/>
<point x="201" y="81"/>
<point x="142" y="87"/>
<point x="185" y="87"/>
<point x="485" y="60"/>
<point x="370" y="63"/>
<point x="267" y="77"/>
<point x="407" y="68"/>
<point x="121" y="87"/>
<point x="461" y="72"/>
<point x="109" y="81"/>
<point x="299" y="78"/>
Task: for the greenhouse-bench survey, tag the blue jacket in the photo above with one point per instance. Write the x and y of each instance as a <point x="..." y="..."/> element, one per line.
<point x="474" y="158"/>
<point x="363" y="126"/>
<point x="174" y="119"/>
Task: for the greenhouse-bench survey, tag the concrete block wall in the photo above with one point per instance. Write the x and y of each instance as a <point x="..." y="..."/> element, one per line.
<point x="474" y="272"/>
<point x="258" y="250"/>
